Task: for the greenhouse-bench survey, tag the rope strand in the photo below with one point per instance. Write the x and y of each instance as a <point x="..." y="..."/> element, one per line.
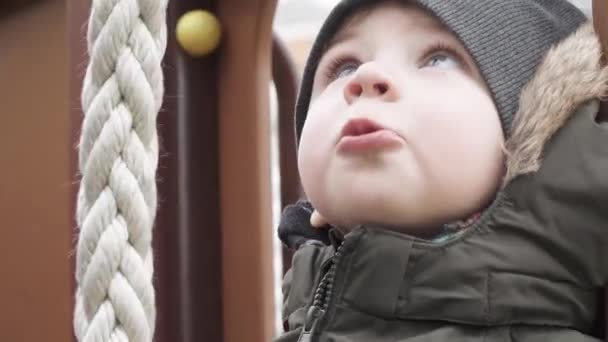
<point x="121" y="96"/>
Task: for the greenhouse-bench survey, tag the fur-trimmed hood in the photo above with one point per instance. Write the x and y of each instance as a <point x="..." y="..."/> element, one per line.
<point x="570" y="75"/>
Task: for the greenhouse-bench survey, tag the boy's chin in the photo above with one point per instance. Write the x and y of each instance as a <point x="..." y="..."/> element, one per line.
<point x="411" y="220"/>
<point x="423" y="231"/>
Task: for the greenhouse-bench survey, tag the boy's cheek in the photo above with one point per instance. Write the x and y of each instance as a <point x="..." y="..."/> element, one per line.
<point x="311" y="175"/>
<point x="314" y="155"/>
<point x="311" y="153"/>
<point x="318" y="131"/>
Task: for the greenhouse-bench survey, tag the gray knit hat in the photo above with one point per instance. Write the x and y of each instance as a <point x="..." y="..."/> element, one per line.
<point x="506" y="38"/>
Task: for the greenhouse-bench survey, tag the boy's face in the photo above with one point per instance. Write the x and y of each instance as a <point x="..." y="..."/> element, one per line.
<point x="439" y="157"/>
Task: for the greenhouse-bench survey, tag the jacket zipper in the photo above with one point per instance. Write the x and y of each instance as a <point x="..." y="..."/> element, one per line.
<point x="323" y="295"/>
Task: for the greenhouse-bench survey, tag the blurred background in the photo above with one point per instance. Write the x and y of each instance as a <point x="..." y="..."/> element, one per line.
<point x="39" y="75"/>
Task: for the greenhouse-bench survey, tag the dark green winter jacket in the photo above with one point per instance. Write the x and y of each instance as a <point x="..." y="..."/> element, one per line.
<point x="531" y="269"/>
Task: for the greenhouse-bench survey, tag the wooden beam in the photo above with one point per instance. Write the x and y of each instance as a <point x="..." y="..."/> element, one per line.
<point x="244" y="128"/>
<point x="8" y="7"/>
<point x="286" y="80"/>
<point x="600" y="20"/>
<point x="187" y="234"/>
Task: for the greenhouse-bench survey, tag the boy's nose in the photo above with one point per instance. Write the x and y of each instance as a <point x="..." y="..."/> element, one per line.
<point x="368" y="81"/>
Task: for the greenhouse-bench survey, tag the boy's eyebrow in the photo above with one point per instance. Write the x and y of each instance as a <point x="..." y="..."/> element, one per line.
<point x="342" y="36"/>
<point x="346" y="32"/>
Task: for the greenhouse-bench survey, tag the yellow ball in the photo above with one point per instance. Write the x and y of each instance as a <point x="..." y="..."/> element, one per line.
<point x="198" y="32"/>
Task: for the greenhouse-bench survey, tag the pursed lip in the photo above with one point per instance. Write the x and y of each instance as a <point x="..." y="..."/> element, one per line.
<point x="362" y="134"/>
<point x="360" y="126"/>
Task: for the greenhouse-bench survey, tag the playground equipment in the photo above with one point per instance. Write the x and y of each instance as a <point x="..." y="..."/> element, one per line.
<point x="212" y="247"/>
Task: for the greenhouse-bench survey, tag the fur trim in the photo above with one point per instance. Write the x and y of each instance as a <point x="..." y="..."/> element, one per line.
<point x="570" y="74"/>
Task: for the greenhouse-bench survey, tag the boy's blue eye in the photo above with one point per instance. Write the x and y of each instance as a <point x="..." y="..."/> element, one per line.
<point x="345" y="70"/>
<point x="442" y="60"/>
<point x="340" y="67"/>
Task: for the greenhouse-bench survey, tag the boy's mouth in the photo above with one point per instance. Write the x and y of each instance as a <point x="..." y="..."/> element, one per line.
<point x="365" y="135"/>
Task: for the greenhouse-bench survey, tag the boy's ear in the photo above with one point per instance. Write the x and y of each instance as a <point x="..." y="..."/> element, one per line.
<point x="317" y="220"/>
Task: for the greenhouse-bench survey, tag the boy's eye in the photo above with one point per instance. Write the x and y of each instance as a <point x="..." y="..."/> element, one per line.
<point x="340" y="67"/>
<point x="442" y="60"/>
<point x="345" y="70"/>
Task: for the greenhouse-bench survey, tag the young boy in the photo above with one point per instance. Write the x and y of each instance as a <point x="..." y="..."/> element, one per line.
<point x="455" y="150"/>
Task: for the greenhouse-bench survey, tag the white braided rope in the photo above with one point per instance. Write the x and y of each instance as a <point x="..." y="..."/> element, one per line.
<point x="118" y="157"/>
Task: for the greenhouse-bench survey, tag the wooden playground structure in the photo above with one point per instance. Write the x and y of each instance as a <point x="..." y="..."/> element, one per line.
<point x="212" y="237"/>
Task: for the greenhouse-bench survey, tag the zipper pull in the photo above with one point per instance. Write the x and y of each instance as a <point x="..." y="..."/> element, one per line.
<point x="311" y="318"/>
<point x="305" y="337"/>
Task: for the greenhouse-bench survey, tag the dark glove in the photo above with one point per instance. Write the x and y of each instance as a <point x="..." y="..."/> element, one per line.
<point x="295" y="229"/>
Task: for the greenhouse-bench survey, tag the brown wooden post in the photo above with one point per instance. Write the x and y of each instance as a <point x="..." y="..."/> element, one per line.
<point x="600" y="20"/>
<point x="34" y="181"/>
<point x="244" y="129"/>
<point x="187" y="235"/>
<point x="286" y="80"/>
